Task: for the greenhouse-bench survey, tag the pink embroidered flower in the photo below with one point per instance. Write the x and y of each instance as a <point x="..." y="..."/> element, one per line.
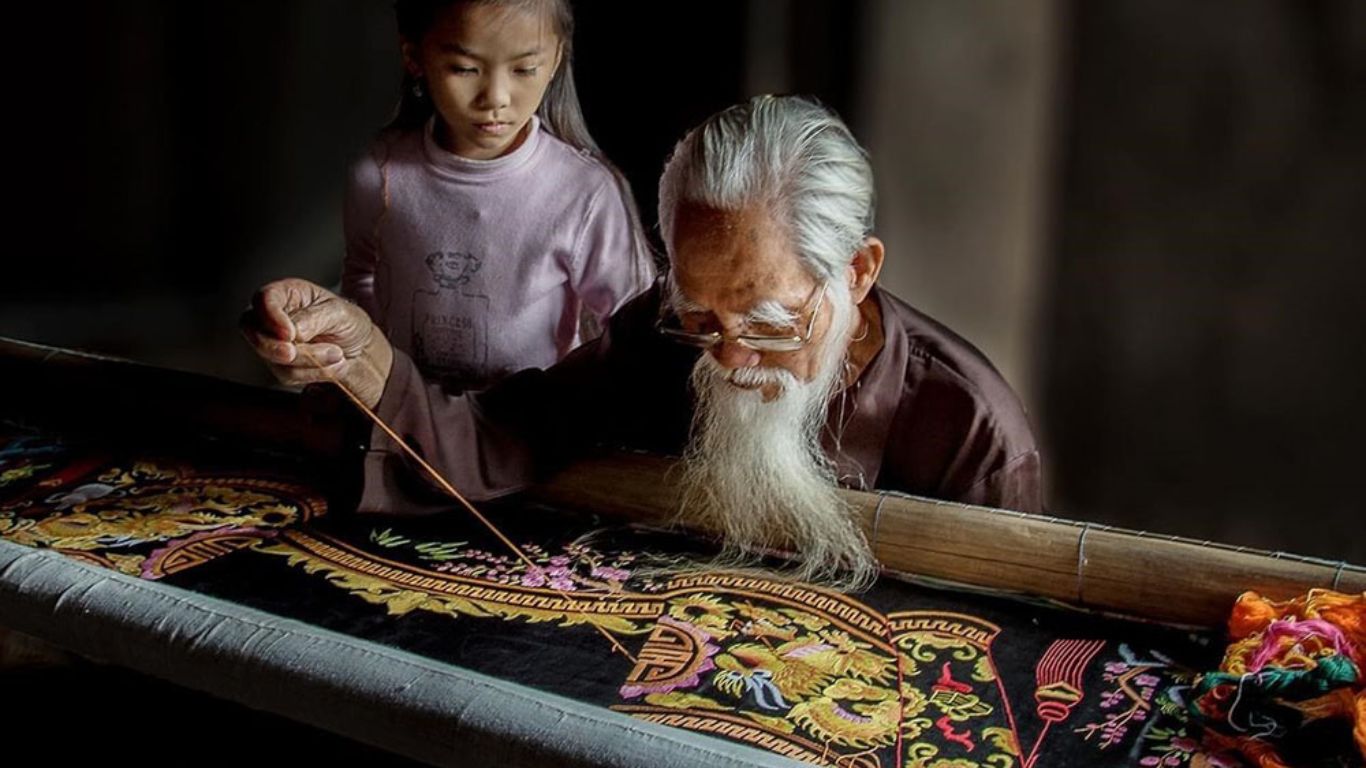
<point x="611" y="574"/>
<point x="1185" y="744"/>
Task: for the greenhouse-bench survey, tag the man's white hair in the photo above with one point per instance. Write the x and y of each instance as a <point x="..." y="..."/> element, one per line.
<point x="755" y="469"/>
<point x="790" y="155"/>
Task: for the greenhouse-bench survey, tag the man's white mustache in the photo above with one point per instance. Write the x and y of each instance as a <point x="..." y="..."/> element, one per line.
<point x="753" y="376"/>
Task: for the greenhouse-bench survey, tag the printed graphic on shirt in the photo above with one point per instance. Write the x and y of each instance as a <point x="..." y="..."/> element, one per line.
<point x="450" y="319"/>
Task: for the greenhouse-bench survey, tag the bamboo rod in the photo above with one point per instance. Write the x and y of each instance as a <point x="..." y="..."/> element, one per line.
<point x="1158" y="577"/>
<point x="1164" y="578"/>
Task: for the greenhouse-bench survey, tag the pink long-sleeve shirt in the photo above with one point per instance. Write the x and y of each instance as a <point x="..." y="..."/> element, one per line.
<point x="478" y="269"/>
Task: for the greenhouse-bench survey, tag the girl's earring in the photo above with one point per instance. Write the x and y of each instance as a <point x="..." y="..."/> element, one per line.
<point x="419" y="92"/>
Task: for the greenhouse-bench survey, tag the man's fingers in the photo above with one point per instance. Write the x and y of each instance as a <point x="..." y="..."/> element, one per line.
<point x="264" y="341"/>
<point x="292" y="324"/>
<point x="296" y="376"/>
<point x="292" y="355"/>
<point x="271" y="306"/>
<point x="276" y="303"/>
<point x="268" y="347"/>
<point x="315" y="355"/>
<point x="328" y="320"/>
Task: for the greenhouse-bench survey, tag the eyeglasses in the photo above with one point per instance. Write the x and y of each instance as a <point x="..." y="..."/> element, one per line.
<point x="668" y="325"/>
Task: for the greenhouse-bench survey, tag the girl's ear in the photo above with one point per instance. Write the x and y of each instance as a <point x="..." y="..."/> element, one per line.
<point x="412" y="58"/>
<point x="865" y="267"/>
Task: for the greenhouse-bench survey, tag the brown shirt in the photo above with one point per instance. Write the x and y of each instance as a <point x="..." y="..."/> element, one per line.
<point x="928" y="416"/>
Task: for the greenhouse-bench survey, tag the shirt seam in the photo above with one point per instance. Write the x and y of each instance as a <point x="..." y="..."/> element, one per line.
<point x="590" y="213"/>
<point x="1010" y="464"/>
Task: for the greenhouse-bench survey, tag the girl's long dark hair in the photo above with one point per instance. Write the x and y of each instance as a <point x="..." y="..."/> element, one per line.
<point x="560" y="111"/>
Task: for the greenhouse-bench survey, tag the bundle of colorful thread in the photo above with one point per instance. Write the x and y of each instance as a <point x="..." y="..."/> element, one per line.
<point x="1289" y="666"/>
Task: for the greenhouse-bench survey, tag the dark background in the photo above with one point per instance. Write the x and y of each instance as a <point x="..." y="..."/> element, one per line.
<point x="1185" y="236"/>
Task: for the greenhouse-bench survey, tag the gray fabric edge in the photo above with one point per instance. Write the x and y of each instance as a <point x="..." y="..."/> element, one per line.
<point x="418" y="707"/>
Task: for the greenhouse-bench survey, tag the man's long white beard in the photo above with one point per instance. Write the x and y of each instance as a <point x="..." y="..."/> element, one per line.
<point x="755" y="471"/>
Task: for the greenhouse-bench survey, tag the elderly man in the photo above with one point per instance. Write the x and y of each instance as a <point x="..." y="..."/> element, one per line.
<point x="768" y="359"/>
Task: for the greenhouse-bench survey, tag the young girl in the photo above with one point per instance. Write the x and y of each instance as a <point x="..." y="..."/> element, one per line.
<point x="485" y="222"/>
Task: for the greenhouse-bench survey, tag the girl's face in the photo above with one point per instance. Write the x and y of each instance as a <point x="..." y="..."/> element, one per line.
<point x="486" y="69"/>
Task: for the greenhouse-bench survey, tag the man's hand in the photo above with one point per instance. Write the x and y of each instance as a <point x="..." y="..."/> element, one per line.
<point x="306" y="333"/>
